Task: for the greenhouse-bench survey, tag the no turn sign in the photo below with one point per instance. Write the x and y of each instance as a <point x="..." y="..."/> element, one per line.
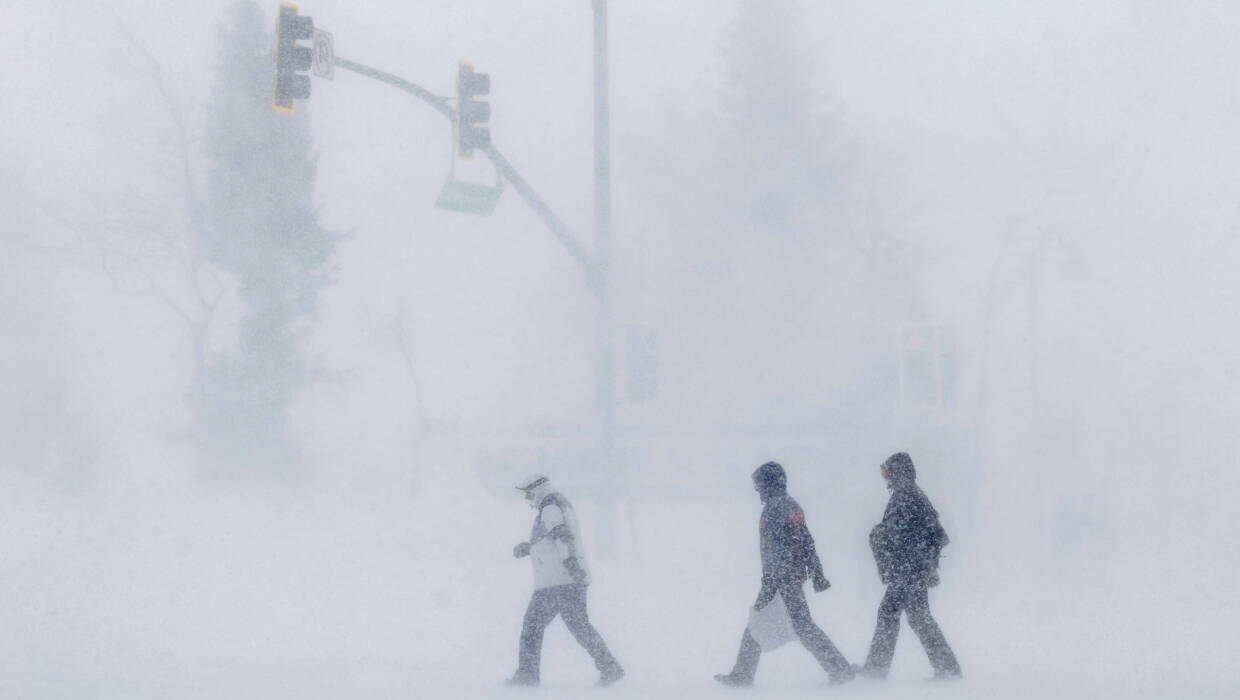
<point x="324" y="54"/>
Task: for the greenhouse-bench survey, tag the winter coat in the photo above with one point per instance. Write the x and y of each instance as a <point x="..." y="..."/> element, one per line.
<point x="554" y="541"/>
<point x="788" y="553"/>
<point x="907" y="543"/>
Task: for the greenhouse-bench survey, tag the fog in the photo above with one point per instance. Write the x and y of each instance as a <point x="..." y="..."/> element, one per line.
<point x="242" y="457"/>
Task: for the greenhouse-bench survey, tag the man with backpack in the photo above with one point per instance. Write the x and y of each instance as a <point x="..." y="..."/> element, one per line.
<point x="906" y="546"/>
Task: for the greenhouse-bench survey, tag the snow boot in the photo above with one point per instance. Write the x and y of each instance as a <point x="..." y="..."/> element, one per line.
<point x="868" y="673"/>
<point x="733" y="680"/>
<point x="843" y="676"/>
<point x="521" y="680"/>
<point x="610" y="675"/>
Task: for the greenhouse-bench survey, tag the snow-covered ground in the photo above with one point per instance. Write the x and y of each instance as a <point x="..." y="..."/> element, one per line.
<point x="350" y="588"/>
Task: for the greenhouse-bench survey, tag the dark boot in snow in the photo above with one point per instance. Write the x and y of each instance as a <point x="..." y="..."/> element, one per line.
<point x="868" y="673"/>
<point x="947" y="675"/>
<point x="733" y="680"/>
<point x="610" y="675"/>
<point x="846" y="674"/>
<point x="521" y="680"/>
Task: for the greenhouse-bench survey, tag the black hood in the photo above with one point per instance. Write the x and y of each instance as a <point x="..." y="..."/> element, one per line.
<point x="770" y="480"/>
<point x="901" y="470"/>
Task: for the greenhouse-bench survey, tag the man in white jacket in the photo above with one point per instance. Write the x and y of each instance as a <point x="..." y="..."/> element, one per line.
<point x="560" y="581"/>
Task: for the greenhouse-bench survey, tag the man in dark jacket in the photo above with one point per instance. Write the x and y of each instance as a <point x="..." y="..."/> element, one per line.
<point x="788" y="559"/>
<point x="906" y="547"/>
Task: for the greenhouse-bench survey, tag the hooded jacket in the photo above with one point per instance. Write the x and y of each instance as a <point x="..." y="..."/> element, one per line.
<point x="555" y="539"/>
<point x="788" y="553"/>
<point x="907" y="543"/>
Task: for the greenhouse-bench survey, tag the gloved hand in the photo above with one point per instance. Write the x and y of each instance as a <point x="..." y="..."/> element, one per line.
<point x="821" y="583"/>
<point x="766" y="595"/>
<point x="575" y="570"/>
<point x="521" y="550"/>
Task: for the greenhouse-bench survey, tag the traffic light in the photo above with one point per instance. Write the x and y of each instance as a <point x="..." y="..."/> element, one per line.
<point x="291" y="58"/>
<point x="470" y="112"/>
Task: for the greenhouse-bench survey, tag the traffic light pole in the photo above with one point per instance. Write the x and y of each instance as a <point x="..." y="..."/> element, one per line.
<point x="505" y="168"/>
<point x="439" y="103"/>
<point x="597" y="267"/>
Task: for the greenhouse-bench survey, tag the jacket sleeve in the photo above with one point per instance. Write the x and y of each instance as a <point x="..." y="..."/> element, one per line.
<point x="941" y="539"/>
<point x="770" y="579"/>
<point x="882" y="553"/>
<point x="803" y="551"/>
<point x="558" y="530"/>
<point x="812" y="562"/>
<point x="767" y="593"/>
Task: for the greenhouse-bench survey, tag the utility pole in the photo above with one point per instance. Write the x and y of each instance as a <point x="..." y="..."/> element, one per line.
<point x="604" y="399"/>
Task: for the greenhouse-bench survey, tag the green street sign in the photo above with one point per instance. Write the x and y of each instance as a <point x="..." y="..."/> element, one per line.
<point x="467" y="197"/>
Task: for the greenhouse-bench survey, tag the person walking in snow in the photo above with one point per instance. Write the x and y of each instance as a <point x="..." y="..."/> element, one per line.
<point x="788" y="560"/>
<point x="560" y="581"/>
<point x="906" y="547"/>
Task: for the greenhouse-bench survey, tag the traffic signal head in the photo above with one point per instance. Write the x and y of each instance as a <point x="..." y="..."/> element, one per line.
<point x="470" y="112"/>
<point x="292" y="59"/>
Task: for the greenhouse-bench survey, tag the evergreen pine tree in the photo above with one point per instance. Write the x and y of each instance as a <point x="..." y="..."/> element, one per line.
<point x="795" y="175"/>
<point x="792" y="179"/>
<point x="783" y="133"/>
<point x="259" y="224"/>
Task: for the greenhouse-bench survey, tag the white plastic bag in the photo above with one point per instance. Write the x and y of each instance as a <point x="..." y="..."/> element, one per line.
<point x="771" y="627"/>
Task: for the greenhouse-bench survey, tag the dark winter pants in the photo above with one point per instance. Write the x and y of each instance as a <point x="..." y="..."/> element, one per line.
<point x="912" y="600"/>
<point x="812" y="638"/>
<point x="546" y="603"/>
